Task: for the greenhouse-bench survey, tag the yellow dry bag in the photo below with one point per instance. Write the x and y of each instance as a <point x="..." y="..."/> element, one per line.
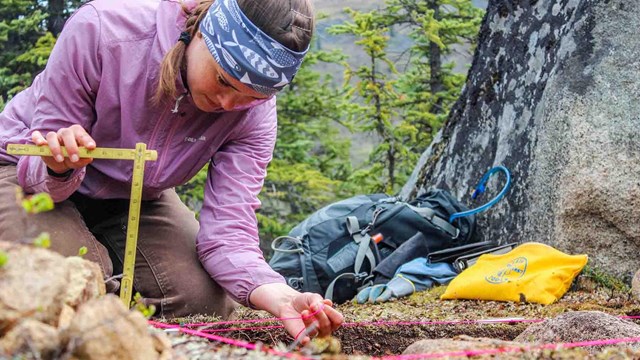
<point x="532" y="272"/>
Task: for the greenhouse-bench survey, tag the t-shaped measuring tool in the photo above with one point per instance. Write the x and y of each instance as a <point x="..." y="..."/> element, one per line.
<point x="139" y="155"/>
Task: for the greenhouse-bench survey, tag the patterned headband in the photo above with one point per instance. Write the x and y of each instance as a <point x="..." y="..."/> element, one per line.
<point x="247" y="53"/>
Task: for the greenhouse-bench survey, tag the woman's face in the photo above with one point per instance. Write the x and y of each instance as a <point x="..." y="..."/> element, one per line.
<point x="211" y="88"/>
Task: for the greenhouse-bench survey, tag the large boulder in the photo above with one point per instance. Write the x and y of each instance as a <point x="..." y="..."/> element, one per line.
<point x="552" y="94"/>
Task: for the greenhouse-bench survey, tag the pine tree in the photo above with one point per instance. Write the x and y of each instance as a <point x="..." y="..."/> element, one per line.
<point x="27" y="34"/>
<point x="374" y="110"/>
<point x="24" y="44"/>
<point x="404" y="106"/>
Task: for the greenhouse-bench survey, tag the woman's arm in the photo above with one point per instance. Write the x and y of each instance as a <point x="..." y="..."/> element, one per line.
<point x="228" y="243"/>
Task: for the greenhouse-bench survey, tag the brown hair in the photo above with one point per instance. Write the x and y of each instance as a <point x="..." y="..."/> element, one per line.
<point x="290" y="22"/>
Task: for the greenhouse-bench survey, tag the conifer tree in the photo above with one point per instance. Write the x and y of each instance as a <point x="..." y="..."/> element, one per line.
<point x="403" y="101"/>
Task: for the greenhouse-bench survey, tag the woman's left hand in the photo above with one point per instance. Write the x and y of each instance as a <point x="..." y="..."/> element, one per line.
<point x="310" y="308"/>
<point x="298" y="310"/>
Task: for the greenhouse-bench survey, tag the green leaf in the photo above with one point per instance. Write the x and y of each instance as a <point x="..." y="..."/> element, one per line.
<point x="82" y="251"/>
<point x="4" y="258"/>
<point x="38" y="203"/>
<point x="43" y="240"/>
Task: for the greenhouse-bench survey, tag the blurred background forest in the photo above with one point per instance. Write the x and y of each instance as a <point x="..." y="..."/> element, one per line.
<point x="376" y="87"/>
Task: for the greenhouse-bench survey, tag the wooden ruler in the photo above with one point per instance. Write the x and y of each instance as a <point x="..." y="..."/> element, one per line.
<point x="139" y="155"/>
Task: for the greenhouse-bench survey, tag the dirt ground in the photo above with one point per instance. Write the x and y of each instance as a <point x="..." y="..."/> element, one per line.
<point x="590" y="291"/>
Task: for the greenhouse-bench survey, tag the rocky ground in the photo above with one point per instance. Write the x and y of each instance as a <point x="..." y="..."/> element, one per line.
<point x="53" y="307"/>
<point x="592" y="292"/>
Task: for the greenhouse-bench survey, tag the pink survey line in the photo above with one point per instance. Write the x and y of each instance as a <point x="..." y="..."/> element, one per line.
<point x="373" y="323"/>
<point x="251" y="346"/>
<point x="554" y="346"/>
<point x="233" y="342"/>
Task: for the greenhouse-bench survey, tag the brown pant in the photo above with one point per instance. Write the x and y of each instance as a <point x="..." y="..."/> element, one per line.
<point x="168" y="273"/>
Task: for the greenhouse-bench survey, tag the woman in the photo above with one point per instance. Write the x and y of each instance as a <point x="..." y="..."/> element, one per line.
<point x="196" y="82"/>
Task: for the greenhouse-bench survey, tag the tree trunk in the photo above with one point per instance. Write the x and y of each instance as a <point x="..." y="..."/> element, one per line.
<point x="56" y="19"/>
<point x="435" y="64"/>
<point x="553" y="94"/>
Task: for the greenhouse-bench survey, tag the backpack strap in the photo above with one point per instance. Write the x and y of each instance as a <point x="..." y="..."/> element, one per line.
<point x="353" y="226"/>
<point x="364" y="251"/>
<point x="275" y="244"/>
<point x="443" y="224"/>
<point x="296" y="283"/>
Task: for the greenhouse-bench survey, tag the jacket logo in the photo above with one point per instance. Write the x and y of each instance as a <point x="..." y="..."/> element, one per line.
<point x="192" y="139"/>
<point x="512" y="271"/>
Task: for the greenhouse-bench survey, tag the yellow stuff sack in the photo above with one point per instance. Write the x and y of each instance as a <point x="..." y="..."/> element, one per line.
<point x="532" y="272"/>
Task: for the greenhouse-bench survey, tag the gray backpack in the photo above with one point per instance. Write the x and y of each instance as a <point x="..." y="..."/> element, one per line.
<point x="364" y="239"/>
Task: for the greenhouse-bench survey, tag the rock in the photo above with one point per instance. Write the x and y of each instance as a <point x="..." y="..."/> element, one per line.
<point x="32" y="284"/>
<point x="635" y="285"/>
<point x="581" y="326"/>
<point x="85" y="281"/>
<point x="552" y="94"/>
<point x="162" y="345"/>
<point x="104" y="329"/>
<point x="31" y="337"/>
<point x="66" y="315"/>
<point x="458" y="343"/>
<point x="39" y="284"/>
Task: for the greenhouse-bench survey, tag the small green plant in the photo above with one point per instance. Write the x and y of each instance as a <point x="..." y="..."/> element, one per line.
<point x="4" y="258"/>
<point x="82" y="251"/>
<point x="139" y="305"/>
<point x="43" y="240"/>
<point x="34" y="204"/>
<point x="37" y="203"/>
<point x="605" y="279"/>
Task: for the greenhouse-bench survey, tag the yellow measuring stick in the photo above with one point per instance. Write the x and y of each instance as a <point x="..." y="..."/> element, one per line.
<point x="139" y="155"/>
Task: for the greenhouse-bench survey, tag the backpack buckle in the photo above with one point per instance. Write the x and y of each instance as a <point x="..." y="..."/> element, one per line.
<point x="296" y="283"/>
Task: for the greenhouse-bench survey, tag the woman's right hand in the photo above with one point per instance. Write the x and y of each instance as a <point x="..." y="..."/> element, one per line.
<point x="71" y="138"/>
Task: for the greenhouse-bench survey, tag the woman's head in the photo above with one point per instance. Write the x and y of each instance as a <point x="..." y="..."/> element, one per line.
<point x="238" y="48"/>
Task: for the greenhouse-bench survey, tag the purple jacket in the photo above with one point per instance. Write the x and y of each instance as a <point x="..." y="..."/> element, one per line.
<point x="101" y="74"/>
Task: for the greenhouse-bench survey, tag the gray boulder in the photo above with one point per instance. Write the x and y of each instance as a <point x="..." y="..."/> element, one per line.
<point x="552" y="94"/>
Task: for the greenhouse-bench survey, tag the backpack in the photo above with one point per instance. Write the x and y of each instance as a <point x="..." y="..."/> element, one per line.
<point x="363" y="240"/>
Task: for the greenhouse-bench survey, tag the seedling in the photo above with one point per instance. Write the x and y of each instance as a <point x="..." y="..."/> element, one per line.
<point x="4" y="258"/>
<point x="82" y="251"/>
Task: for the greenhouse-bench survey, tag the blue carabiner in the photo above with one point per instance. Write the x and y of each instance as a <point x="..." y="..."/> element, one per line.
<point x="481" y="188"/>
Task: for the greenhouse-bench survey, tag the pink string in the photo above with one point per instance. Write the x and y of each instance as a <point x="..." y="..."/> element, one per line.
<point x="373" y="323"/>
<point x="250" y="346"/>
<point x="233" y="342"/>
<point x="251" y="321"/>
<point x="478" y="352"/>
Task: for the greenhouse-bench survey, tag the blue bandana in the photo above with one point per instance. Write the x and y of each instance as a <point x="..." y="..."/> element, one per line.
<point x="247" y="53"/>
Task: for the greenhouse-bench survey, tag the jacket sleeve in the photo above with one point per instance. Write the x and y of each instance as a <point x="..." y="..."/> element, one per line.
<point x="65" y="95"/>
<point x="228" y="242"/>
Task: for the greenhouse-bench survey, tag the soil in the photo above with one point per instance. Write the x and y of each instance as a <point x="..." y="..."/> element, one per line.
<point x="365" y="341"/>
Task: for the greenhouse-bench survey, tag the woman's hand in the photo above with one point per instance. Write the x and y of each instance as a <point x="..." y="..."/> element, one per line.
<point x="300" y="310"/>
<point x="71" y="138"/>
